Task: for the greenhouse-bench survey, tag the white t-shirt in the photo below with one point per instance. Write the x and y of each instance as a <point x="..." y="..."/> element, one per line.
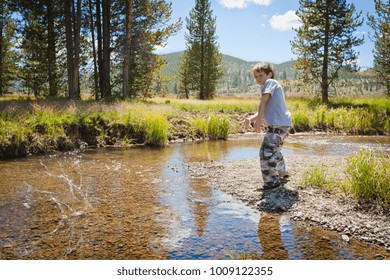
<point x="276" y="112"/>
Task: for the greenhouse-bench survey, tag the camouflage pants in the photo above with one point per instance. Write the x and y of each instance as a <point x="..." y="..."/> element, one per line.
<point x="271" y="159"/>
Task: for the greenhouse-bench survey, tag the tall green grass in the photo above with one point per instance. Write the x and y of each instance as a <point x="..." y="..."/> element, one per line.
<point x="218" y="127"/>
<point x="215" y="127"/>
<point x="366" y="177"/>
<point x="99" y="123"/>
<point x="41" y="127"/>
<point x="368" y="173"/>
<point x="314" y="176"/>
<point x="200" y="126"/>
<point x="363" y="116"/>
<point x="156" y="127"/>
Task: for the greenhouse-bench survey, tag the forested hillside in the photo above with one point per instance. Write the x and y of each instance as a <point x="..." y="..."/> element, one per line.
<point x="238" y="78"/>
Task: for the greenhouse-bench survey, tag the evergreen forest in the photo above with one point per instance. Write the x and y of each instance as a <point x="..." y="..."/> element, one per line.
<point x="101" y="49"/>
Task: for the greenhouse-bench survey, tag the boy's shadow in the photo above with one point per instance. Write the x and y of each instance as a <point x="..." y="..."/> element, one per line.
<point x="278" y="200"/>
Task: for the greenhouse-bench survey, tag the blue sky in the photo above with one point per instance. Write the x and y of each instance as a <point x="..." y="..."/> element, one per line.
<point x="260" y="30"/>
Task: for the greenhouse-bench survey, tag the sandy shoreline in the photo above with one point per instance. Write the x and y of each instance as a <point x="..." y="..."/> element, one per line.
<point x="311" y="206"/>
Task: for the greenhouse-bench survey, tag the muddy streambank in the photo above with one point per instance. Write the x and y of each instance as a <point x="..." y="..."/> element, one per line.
<point x="310" y="206"/>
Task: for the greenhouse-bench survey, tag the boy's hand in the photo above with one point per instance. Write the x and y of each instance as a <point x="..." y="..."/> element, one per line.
<point x="257" y="126"/>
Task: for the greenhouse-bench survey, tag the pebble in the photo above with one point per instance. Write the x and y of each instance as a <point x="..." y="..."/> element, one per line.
<point x="26" y="205"/>
<point x="345" y="237"/>
<point x="379" y="257"/>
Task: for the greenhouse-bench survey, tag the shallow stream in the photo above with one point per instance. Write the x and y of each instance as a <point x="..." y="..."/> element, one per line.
<point x="140" y="203"/>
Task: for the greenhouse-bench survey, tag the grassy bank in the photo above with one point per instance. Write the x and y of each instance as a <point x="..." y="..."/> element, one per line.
<point x="363" y="116"/>
<point x="365" y="175"/>
<point x="352" y="116"/>
<point x="42" y="127"/>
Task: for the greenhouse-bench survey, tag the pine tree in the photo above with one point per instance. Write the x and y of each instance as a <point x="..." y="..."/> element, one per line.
<point x="325" y="40"/>
<point x="51" y="16"/>
<point x="34" y="72"/>
<point x="3" y="16"/>
<point x="151" y="27"/>
<point x="127" y="47"/>
<point x="381" y="25"/>
<point x="55" y="34"/>
<point x="38" y="27"/>
<point x="73" y="27"/>
<point x="8" y="57"/>
<point x="202" y="54"/>
<point x="185" y="82"/>
<point x="106" y="62"/>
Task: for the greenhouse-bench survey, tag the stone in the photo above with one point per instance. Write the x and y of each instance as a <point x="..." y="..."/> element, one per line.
<point x="345" y="237"/>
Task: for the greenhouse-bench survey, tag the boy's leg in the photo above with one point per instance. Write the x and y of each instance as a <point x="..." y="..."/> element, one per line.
<point x="281" y="165"/>
<point x="271" y="159"/>
<point x="268" y="160"/>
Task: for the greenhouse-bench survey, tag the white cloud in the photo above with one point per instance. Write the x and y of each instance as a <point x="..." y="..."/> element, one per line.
<point x="161" y="48"/>
<point x="261" y="2"/>
<point x="285" y="22"/>
<point x="241" y="4"/>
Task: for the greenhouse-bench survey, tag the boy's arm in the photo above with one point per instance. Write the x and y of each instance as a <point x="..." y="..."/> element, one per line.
<point x="260" y="113"/>
<point x="247" y="121"/>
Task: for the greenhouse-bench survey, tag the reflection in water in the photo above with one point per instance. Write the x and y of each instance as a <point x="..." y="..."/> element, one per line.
<point x="202" y="194"/>
<point x="270" y="238"/>
<point x="141" y="204"/>
<point x="316" y="246"/>
<point x="281" y="239"/>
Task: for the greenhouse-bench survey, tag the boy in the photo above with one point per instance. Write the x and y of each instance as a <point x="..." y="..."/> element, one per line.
<point x="278" y="120"/>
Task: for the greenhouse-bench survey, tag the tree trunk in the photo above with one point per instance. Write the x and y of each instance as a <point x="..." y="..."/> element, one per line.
<point x="202" y="95"/>
<point x="324" y="76"/>
<point x="69" y="47"/>
<point x="2" y="26"/>
<point x="106" y="90"/>
<point x="126" y="61"/>
<point x="51" y="50"/>
<point x="77" y="28"/>
<point x="95" y="70"/>
<point x="100" y="45"/>
<point x="72" y="26"/>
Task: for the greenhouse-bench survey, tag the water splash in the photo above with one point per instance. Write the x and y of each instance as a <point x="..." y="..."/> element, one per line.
<point x="73" y="204"/>
<point x="72" y="186"/>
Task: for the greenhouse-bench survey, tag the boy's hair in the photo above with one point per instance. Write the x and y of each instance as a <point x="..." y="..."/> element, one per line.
<point x="265" y="67"/>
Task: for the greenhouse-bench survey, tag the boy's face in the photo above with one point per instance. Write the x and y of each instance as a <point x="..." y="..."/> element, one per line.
<point x="261" y="77"/>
